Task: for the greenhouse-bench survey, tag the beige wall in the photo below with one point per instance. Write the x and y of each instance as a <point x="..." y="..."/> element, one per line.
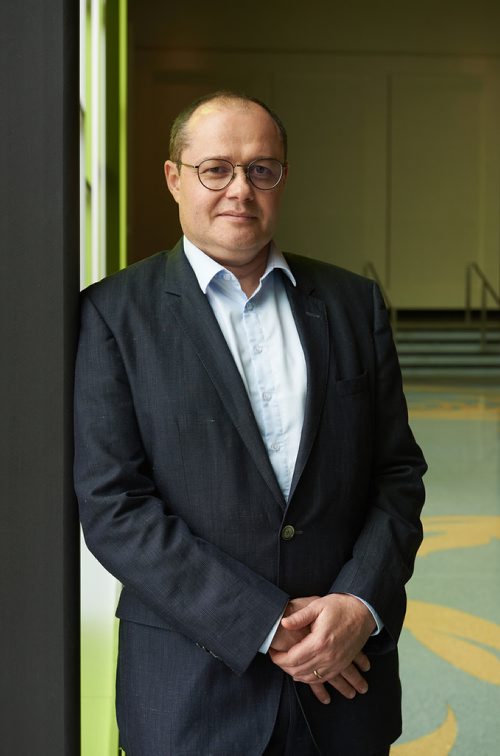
<point x="393" y="118"/>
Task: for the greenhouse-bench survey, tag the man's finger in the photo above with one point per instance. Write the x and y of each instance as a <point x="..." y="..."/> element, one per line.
<point x="342" y="686"/>
<point x="286" y="660"/>
<point x="296" y="604"/>
<point x="320" y="692"/>
<point x="301" y="618"/>
<point x="362" y="661"/>
<point x="298" y="658"/>
<point x="354" y="677"/>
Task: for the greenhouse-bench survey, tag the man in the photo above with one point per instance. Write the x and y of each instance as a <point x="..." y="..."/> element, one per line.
<point x="245" y="468"/>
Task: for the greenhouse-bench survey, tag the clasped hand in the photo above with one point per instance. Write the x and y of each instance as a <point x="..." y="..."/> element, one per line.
<point x="319" y="640"/>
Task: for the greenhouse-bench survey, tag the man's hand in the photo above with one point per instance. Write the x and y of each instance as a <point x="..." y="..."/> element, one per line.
<point x="339" y="626"/>
<point x="285" y="638"/>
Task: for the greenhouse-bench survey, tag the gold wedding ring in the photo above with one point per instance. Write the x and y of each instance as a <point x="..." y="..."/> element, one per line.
<point x="317" y="674"/>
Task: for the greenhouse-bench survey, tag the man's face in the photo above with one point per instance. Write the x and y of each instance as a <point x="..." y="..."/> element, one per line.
<point x="233" y="225"/>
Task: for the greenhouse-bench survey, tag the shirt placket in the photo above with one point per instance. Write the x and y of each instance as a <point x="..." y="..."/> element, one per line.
<point x="264" y="393"/>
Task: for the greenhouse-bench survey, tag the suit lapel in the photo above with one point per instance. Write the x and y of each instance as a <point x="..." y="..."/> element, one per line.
<point x="312" y="325"/>
<point x="192" y="311"/>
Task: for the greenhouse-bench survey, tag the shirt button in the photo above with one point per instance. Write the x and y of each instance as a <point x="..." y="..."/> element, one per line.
<point x="249" y="306"/>
<point x="227" y="276"/>
<point x="257" y="349"/>
<point x="266" y="397"/>
<point x="287" y="532"/>
<point x="275" y="446"/>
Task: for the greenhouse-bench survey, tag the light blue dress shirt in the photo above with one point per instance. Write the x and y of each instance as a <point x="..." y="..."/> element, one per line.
<point x="261" y="334"/>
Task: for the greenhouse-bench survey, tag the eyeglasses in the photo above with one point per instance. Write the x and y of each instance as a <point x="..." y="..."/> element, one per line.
<point x="215" y="174"/>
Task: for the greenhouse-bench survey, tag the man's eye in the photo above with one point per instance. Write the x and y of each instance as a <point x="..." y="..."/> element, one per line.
<point x="218" y="170"/>
<point x="261" y="170"/>
<point x="214" y="169"/>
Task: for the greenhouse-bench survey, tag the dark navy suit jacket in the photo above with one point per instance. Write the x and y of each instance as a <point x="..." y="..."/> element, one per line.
<point x="179" y="501"/>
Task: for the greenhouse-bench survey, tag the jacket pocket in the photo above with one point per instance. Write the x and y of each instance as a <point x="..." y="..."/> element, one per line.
<point x="354" y="385"/>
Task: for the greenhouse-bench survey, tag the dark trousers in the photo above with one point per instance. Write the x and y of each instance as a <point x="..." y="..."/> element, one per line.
<point x="291" y="736"/>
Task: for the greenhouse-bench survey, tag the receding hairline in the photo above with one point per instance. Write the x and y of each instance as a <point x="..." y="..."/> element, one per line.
<point x="179" y="134"/>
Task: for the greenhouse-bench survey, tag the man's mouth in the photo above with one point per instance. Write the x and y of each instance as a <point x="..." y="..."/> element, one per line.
<point x="237" y="216"/>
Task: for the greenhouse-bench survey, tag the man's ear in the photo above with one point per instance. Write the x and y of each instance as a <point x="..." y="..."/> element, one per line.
<point x="172" y="178"/>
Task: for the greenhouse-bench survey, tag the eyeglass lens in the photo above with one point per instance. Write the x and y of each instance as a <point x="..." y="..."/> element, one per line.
<point x="217" y="174"/>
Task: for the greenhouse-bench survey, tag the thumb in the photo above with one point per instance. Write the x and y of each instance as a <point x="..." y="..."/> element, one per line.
<point x="300" y="619"/>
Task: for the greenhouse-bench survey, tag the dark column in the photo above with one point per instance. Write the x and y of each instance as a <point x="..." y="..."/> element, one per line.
<point x="39" y="157"/>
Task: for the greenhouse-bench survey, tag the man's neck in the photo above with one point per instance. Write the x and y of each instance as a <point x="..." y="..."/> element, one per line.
<point x="250" y="273"/>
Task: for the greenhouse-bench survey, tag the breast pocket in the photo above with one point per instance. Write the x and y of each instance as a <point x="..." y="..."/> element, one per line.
<point x="349" y="386"/>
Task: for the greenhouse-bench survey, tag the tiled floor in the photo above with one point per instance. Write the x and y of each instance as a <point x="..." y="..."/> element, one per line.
<point x="450" y="647"/>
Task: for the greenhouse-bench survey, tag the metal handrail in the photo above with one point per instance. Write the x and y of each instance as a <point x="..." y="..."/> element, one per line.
<point x="370" y="271"/>
<point x="486" y="288"/>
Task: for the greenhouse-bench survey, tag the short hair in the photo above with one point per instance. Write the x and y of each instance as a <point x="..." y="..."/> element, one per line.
<point x="178" y="132"/>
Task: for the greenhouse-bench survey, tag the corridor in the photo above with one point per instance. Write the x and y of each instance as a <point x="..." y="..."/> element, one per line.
<point x="450" y="646"/>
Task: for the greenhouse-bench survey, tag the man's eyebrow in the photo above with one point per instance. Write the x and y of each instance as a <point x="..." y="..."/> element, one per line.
<point x="213" y="157"/>
<point x="230" y="160"/>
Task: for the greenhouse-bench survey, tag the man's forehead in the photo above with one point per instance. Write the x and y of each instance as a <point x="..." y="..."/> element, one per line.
<point x="216" y="118"/>
<point x="222" y="107"/>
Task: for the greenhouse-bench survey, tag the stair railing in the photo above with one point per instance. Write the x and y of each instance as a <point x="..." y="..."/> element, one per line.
<point x="370" y="271"/>
<point x="486" y="289"/>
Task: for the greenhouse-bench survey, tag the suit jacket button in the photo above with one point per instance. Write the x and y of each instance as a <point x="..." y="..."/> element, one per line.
<point x="287" y="532"/>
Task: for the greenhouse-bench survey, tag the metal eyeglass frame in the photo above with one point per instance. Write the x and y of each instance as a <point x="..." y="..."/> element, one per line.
<point x="246" y="169"/>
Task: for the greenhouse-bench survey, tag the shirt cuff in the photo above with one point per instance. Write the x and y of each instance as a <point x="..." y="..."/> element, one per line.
<point x="376" y="617"/>
<point x="267" y="642"/>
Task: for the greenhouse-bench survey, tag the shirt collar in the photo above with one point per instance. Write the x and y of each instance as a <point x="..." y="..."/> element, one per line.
<point x="206" y="268"/>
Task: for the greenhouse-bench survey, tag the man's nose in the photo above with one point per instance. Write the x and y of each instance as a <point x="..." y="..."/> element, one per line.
<point x="240" y="185"/>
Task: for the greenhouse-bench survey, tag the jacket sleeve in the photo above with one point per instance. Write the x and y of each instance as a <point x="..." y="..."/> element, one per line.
<point x="193" y="586"/>
<point x="384" y="553"/>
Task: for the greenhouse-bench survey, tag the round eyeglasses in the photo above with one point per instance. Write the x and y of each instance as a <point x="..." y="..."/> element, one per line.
<point x="216" y="174"/>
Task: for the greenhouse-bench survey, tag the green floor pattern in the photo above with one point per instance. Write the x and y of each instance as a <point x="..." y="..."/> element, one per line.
<point x="450" y="646"/>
